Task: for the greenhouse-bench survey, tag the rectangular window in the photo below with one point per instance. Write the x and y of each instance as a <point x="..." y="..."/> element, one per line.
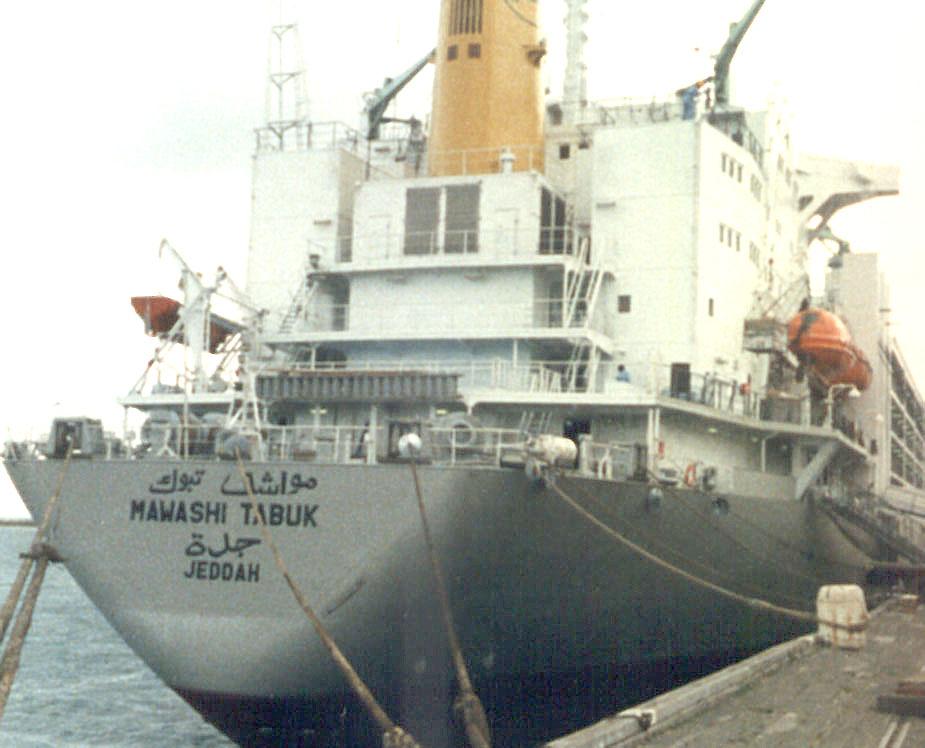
<point x="462" y="219"/>
<point x="554" y="223"/>
<point x="710" y="307"/>
<point x="565" y="151"/>
<point x="475" y="50"/>
<point x="738" y="242"/>
<point x="422" y="213"/>
<point x="722" y="233"/>
<point x="738" y="172"/>
<point x="624" y="303"/>
<point x="452" y="52"/>
<point x="725" y="160"/>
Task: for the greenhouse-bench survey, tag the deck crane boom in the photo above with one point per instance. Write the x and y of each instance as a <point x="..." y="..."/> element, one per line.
<point x="379" y="100"/>
<point x="724" y="58"/>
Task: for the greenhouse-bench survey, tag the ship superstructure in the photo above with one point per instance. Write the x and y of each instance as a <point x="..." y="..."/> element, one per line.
<point x="620" y="275"/>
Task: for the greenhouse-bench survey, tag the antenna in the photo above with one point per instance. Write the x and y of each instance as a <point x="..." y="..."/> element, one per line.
<point x="575" y="86"/>
<point x="286" y="97"/>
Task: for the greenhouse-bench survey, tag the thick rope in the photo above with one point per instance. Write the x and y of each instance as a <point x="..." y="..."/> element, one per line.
<point x="392" y="734"/>
<point x="9" y="606"/>
<point x="11" y="656"/>
<point x="751" y="602"/>
<point x="467" y="705"/>
<point x="661" y="546"/>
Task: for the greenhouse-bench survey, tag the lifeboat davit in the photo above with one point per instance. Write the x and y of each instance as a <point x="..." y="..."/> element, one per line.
<point x="821" y="341"/>
<point x="160" y="315"/>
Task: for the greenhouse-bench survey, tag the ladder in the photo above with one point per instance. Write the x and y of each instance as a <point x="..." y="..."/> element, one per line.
<point x="300" y="301"/>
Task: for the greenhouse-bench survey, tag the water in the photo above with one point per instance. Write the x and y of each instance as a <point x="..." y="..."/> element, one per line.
<point x="79" y="684"/>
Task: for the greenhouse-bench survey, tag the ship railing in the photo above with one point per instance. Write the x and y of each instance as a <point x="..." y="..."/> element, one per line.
<point x="524" y="157"/>
<point x="327" y="444"/>
<point x="616" y="460"/>
<point x="446" y="319"/>
<point x="463" y="245"/>
<point x="533" y="376"/>
<point x="720" y="391"/>
<point x="300" y="136"/>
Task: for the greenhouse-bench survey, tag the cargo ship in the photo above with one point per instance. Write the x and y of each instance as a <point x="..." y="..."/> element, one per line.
<point x="626" y="282"/>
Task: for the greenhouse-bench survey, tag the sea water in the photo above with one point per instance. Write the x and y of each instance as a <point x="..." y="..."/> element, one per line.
<point x="78" y="683"/>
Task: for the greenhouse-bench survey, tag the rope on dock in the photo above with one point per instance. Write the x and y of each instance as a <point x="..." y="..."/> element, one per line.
<point x="393" y="735"/>
<point x="40" y="553"/>
<point x="467" y="705"/>
<point x="752" y="602"/>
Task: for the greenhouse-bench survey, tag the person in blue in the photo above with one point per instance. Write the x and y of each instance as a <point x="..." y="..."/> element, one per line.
<point x="622" y="374"/>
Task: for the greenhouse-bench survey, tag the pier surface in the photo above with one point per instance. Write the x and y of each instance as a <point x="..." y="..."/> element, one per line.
<point x="798" y="694"/>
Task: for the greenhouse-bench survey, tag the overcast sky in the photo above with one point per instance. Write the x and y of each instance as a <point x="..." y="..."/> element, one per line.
<point x="127" y="122"/>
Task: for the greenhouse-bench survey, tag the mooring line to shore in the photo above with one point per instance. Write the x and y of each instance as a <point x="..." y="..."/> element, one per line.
<point x="40" y="553"/>
<point x="393" y="735"/>
<point x="467" y="704"/>
<point x="664" y="547"/>
<point x="751" y="602"/>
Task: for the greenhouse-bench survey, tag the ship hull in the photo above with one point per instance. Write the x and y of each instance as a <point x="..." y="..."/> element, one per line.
<point x="171" y="554"/>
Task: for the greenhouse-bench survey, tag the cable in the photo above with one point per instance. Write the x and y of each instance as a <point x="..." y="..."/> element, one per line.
<point x="520" y="15"/>
<point x="751" y="602"/>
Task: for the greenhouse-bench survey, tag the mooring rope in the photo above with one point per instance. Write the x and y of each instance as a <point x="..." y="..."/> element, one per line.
<point x="39" y="554"/>
<point x="467" y="705"/>
<point x="393" y="735"/>
<point x="9" y="665"/>
<point x="678" y="494"/>
<point x="751" y="602"/>
<point x="665" y="548"/>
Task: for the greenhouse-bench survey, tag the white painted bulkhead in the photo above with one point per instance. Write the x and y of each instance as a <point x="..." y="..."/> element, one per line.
<point x="302" y="203"/>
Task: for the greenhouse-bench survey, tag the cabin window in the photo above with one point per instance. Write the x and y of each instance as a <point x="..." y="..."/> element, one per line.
<point x="462" y="219"/>
<point x="624" y="303"/>
<point x="553" y="223"/>
<point x="422" y="213"/>
<point x="452" y="52"/>
<point x="475" y="50"/>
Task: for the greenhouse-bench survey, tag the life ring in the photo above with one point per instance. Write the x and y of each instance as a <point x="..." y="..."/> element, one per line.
<point x="605" y="468"/>
<point x="690" y="475"/>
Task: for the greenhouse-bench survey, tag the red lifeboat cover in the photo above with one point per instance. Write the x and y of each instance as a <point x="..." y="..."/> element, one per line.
<point x="161" y="313"/>
<point x="821" y="340"/>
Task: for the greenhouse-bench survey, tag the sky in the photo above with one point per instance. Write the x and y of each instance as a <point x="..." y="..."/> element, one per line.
<point x="124" y="123"/>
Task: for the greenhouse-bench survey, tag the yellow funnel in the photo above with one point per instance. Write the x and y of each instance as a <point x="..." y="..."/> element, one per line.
<point x="487" y="109"/>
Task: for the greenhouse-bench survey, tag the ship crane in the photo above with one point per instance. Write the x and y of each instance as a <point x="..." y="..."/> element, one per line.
<point x="724" y="58"/>
<point x="720" y="77"/>
<point x="378" y="101"/>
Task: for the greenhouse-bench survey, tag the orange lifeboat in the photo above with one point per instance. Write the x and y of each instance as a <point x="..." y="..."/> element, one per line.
<point x="859" y="374"/>
<point x="821" y="341"/>
<point x="161" y="313"/>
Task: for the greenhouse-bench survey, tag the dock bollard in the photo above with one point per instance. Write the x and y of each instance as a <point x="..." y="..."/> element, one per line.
<point x="842" y="613"/>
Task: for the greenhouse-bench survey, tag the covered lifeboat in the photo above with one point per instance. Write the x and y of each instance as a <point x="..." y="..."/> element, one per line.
<point x="821" y="341"/>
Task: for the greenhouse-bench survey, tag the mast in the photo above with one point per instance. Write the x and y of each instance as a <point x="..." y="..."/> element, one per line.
<point x="575" y="87"/>
<point x="286" y="97"/>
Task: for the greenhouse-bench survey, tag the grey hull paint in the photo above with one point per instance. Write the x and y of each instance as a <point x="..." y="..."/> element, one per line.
<point x="535" y="588"/>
